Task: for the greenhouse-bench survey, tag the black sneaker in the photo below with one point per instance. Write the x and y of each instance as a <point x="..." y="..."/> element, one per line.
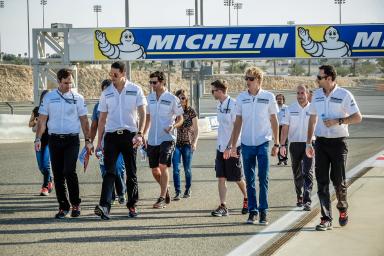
<point x="167" y="197"/>
<point x="285" y="163"/>
<point x="263" y="219"/>
<point x="61" y="214"/>
<point x="299" y="202"/>
<point x="177" y="196"/>
<point x="220" y="211"/>
<point x="324" y="225"/>
<point x="252" y="218"/>
<point x="132" y="212"/>
<point x="102" y="212"/>
<point x="307" y="207"/>
<point x="160" y="203"/>
<point x="75" y="211"/>
<point x="187" y="193"/>
<point x="343" y="218"/>
<point x="122" y="200"/>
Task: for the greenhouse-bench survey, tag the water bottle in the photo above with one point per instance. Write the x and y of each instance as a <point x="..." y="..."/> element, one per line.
<point x="143" y="153"/>
<point x="100" y="156"/>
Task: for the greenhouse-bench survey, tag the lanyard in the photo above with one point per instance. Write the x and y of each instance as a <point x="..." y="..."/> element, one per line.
<point x="66" y="100"/>
<point x="226" y="110"/>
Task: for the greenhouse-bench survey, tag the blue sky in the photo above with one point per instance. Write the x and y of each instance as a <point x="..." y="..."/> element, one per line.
<point x="157" y="13"/>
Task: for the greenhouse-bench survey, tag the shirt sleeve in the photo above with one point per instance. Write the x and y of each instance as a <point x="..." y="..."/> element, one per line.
<point x="102" y="104"/>
<point x="273" y="108"/>
<point x="238" y="106"/>
<point x="233" y="112"/>
<point x="140" y="98"/>
<point x="44" y="107"/>
<point x="312" y="109"/>
<point x="350" y="104"/>
<point x="285" y="117"/>
<point x="81" y="106"/>
<point x="177" y="108"/>
<point x="94" y="113"/>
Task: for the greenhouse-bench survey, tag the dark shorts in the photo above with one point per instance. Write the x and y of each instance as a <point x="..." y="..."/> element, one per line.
<point x="231" y="169"/>
<point x="161" y="154"/>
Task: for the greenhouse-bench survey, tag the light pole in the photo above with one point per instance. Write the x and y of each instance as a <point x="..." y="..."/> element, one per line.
<point x="29" y="37"/>
<point x="340" y="2"/>
<point x="43" y="3"/>
<point x="128" y="64"/>
<point x="189" y="12"/>
<point x="97" y="9"/>
<point x="1" y="53"/>
<point x="229" y="3"/>
<point x="237" y="7"/>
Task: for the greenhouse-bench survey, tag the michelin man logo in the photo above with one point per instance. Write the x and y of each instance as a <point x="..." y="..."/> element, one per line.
<point x="330" y="48"/>
<point x="126" y="50"/>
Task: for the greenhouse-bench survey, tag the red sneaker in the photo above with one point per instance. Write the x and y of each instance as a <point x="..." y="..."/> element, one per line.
<point x="343" y="218"/>
<point x="50" y="186"/>
<point x="44" y="191"/>
<point x="245" y="206"/>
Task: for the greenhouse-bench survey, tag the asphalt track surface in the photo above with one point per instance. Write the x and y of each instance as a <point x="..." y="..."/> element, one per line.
<point x="27" y="226"/>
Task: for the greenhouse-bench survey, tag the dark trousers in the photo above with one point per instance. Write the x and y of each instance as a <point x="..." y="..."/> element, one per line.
<point x="64" y="151"/>
<point x="114" y="144"/>
<point x="302" y="168"/>
<point x="279" y="156"/>
<point x="331" y="157"/>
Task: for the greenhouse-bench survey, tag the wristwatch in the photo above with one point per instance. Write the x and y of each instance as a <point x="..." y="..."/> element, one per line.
<point x="88" y="140"/>
<point x="341" y="121"/>
<point x="276" y="145"/>
<point x="228" y="148"/>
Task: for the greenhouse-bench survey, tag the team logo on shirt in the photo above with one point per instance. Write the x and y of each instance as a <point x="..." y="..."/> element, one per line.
<point x="246" y="101"/>
<point x="263" y="101"/>
<point x="336" y="100"/>
<point x="319" y="99"/>
<point x="109" y="95"/>
<point x="352" y="103"/>
<point x="165" y="102"/>
<point x="54" y="100"/>
<point x="294" y="113"/>
<point x="131" y="93"/>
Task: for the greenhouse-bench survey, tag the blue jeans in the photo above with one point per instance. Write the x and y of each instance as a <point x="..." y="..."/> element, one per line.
<point x="250" y="154"/>
<point x="186" y="153"/>
<point x="44" y="163"/>
<point x="120" y="176"/>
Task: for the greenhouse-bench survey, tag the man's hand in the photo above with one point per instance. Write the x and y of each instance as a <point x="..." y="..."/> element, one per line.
<point x="90" y="148"/>
<point x="37" y="145"/>
<point x="169" y="129"/>
<point x="283" y="150"/>
<point x="331" y="122"/>
<point x="275" y="150"/>
<point x="137" y="140"/>
<point x="309" y="150"/>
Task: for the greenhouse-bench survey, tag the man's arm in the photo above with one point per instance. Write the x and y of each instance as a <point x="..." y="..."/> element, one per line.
<point x="93" y="130"/>
<point x="283" y="139"/>
<point x="311" y="128"/>
<point x="147" y="125"/>
<point x="275" y="131"/>
<point x="100" y="128"/>
<point x="179" y="121"/>
<point x="142" y="116"/>
<point x="353" y="119"/>
<point x="230" y="151"/>
<point x="86" y="131"/>
<point x="41" y="126"/>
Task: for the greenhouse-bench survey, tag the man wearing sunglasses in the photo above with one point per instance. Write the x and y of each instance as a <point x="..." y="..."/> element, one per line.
<point x="332" y="110"/>
<point x="256" y="118"/>
<point x="162" y="111"/>
<point x="119" y="105"/>
<point x="63" y="111"/>
<point x="226" y="169"/>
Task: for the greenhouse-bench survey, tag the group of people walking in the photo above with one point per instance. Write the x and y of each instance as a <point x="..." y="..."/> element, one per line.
<point x="165" y="126"/>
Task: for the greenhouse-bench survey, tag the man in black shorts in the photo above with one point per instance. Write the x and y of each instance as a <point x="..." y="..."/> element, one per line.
<point x="162" y="111"/>
<point x="230" y="169"/>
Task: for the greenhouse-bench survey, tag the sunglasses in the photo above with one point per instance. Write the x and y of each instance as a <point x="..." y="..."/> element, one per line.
<point x="114" y="75"/>
<point x="320" y="77"/>
<point x="153" y="82"/>
<point x="250" y="78"/>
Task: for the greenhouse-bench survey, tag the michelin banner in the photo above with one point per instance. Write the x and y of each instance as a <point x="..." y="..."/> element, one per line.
<point x="312" y="41"/>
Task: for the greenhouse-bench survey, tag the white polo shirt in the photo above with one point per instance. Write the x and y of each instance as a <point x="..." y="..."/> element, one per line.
<point x="297" y="118"/>
<point x="281" y="112"/>
<point x="163" y="113"/>
<point x="255" y="111"/>
<point x="340" y="103"/>
<point x="226" y="116"/>
<point x="122" y="107"/>
<point x="63" y="111"/>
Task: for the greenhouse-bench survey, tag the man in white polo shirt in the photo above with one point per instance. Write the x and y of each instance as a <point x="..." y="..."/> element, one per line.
<point x="65" y="111"/>
<point x="332" y="110"/>
<point x="256" y="118"/>
<point x="295" y="127"/>
<point x="119" y="105"/>
<point x="226" y="169"/>
<point x="162" y="111"/>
